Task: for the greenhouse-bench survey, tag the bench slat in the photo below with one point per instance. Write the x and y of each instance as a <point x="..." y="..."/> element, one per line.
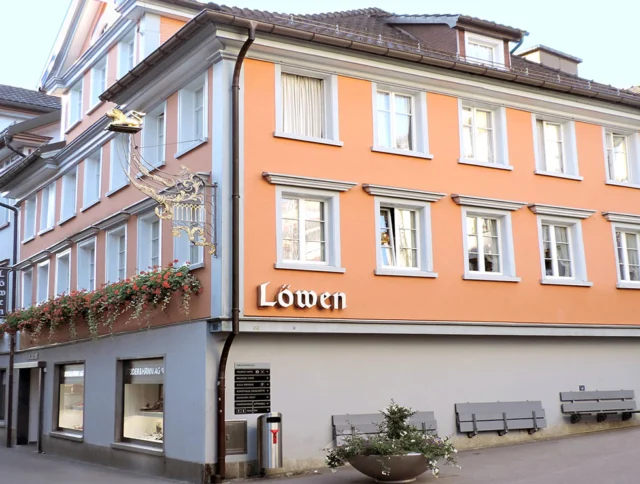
<point x="369" y="423"/>
<point x="597" y="395"/>
<point x="488" y="426"/>
<point x="492" y="407"/>
<point x="619" y="406"/>
<point x="497" y="415"/>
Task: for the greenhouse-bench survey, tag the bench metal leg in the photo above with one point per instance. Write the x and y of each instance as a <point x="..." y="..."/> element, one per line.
<point x="626" y="416"/>
<point x="475" y="427"/>
<point x="535" y="423"/>
<point x="506" y="425"/>
<point x="601" y="417"/>
<point x="575" y="418"/>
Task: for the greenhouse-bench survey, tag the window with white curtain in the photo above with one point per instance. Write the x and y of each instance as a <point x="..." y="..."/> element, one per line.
<point x="481" y="49"/>
<point x="185" y="251"/>
<point x="551" y="146"/>
<point x="621" y="164"/>
<point x="42" y="292"/>
<point x="303" y="228"/>
<point x="63" y="273"/>
<point x="30" y="218"/>
<point x="153" y="137"/>
<point x="395" y="121"/>
<point x="192" y="115"/>
<point x="483" y="244"/>
<point x="557" y="250"/>
<point x="555" y="147"/>
<point x="478" y="134"/>
<point x="116" y="254"/>
<point x="48" y="211"/>
<point x="87" y="265"/>
<point x="75" y="104"/>
<point x="119" y="166"/>
<point x="126" y="54"/>
<point x="92" y="179"/>
<point x="148" y="242"/>
<point x="69" y="189"/>
<point x="27" y="288"/>
<point x="98" y="80"/>
<point x="303" y="106"/>
<point x="628" y="247"/>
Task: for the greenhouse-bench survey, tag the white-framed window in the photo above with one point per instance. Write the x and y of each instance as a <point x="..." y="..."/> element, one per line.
<point x="42" y="292"/>
<point x="489" y="253"/>
<point x="75" y="104"/>
<point x="555" y="147"/>
<point x="92" y="179"/>
<point x="69" y="195"/>
<point x="149" y="242"/>
<point x="63" y="273"/>
<point x="403" y="232"/>
<point x="87" y="265"/>
<point x="622" y="155"/>
<point x="27" y="288"/>
<point x="481" y="49"/>
<point x="98" y="80"/>
<point x="308" y="229"/>
<point x="116" y="254"/>
<point x="400" y="121"/>
<point x="483" y="135"/>
<point x="126" y="53"/>
<point x="30" y="206"/>
<point x="306" y="105"/>
<point x="185" y="251"/>
<point x="153" y="137"/>
<point x="48" y="211"/>
<point x="627" y="251"/>
<point x="119" y="165"/>
<point x="192" y="115"/>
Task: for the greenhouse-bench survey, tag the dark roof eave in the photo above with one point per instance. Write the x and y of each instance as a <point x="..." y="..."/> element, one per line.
<point x="27" y="107"/>
<point x="209" y="16"/>
<point x="21" y="165"/>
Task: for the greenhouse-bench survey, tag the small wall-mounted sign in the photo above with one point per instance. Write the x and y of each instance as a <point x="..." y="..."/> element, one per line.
<point x="302" y="299"/>
<point x="252" y="388"/>
<point x="4" y="287"/>
<point x="33" y="356"/>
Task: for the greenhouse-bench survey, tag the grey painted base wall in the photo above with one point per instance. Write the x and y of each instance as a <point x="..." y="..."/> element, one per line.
<point x="316" y="376"/>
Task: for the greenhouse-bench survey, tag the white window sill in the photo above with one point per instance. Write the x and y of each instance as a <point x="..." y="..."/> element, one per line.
<point x="308" y="267"/>
<point x="142" y="449"/>
<point x="404" y="273"/>
<point x="409" y="153"/>
<point x="94" y="107"/>
<point x="116" y="190"/>
<point x="490" y="277"/>
<point x="28" y="239"/>
<point x="628" y="285"/>
<point x="44" y="231"/>
<point x="193" y="267"/>
<point x="498" y="166"/>
<point x="67" y="218"/>
<point x="73" y="125"/>
<point x="186" y="150"/>
<point x="87" y="207"/>
<point x="559" y="175"/>
<point x="622" y="184"/>
<point x="66" y="435"/>
<point x="568" y="282"/>
<point x="308" y="139"/>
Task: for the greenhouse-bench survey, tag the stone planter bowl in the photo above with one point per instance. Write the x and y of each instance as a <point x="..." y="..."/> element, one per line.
<point x="398" y="468"/>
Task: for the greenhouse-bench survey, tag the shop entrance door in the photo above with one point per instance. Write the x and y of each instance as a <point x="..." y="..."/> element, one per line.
<point x="24" y="404"/>
<point x="30" y="409"/>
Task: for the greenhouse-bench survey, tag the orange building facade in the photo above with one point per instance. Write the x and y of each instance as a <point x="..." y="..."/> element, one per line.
<point x="424" y="215"/>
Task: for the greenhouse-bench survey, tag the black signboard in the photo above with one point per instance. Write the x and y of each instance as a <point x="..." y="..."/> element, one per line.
<point x="4" y="288"/>
<point x="252" y="388"/>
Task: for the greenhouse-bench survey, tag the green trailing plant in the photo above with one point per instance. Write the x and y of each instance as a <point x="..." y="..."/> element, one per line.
<point x="139" y="295"/>
<point x="396" y="437"/>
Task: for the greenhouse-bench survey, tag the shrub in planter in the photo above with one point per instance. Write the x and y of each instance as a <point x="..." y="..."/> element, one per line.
<point x="398" y="453"/>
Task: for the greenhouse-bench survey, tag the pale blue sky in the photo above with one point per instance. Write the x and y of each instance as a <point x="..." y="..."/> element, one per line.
<point x="602" y="34"/>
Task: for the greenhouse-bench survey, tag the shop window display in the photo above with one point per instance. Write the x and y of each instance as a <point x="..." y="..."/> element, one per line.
<point x="71" y="398"/>
<point x="143" y="415"/>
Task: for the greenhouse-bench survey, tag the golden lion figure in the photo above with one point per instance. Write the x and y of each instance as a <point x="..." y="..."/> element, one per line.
<point x="128" y="123"/>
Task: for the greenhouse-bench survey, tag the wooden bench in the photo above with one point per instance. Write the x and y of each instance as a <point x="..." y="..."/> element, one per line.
<point x="369" y="424"/>
<point x="499" y="416"/>
<point x="600" y="403"/>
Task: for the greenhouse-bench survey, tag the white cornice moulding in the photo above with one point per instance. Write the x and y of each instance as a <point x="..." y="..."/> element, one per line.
<point x="60" y="246"/>
<point x="23" y="265"/>
<point x="141" y="206"/>
<point x="627" y="218"/>
<point x="557" y="211"/>
<point x="470" y="201"/>
<point x="112" y="221"/>
<point x="40" y="256"/>
<point x="307" y="182"/>
<point x="84" y="234"/>
<point x="403" y="193"/>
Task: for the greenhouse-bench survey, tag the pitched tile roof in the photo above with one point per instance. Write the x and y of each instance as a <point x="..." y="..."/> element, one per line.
<point x="11" y="95"/>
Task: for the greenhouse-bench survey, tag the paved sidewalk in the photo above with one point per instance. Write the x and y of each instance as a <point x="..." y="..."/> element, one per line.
<point x="26" y="466"/>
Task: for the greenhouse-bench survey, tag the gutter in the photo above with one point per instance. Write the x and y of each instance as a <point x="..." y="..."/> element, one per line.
<point x="235" y="242"/>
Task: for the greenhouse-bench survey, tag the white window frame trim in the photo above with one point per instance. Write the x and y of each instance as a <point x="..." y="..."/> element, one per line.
<point x="58" y="257"/>
<point x="633" y="156"/>
<point x="570" y="160"/>
<point x="68" y="125"/>
<point x="419" y="126"/>
<point x="151" y="114"/>
<point x="64" y="218"/>
<point x="42" y="264"/>
<point x="332" y="227"/>
<point x="622" y="222"/>
<point x="144" y="219"/>
<point x="121" y="45"/>
<point x="113" y="163"/>
<point x="48" y="228"/>
<point x="183" y="147"/>
<point x="35" y="219"/>
<point x="80" y="246"/>
<point x="22" y="291"/>
<point x="332" y="125"/>
<point x="496" y="44"/>
<point x="126" y="251"/>
<point x="499" y="131"/>
<point x="91" y="203"/>
<point x="99" y="102"/>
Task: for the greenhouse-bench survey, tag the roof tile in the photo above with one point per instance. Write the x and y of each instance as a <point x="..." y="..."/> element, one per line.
<point x="20" y="95"/>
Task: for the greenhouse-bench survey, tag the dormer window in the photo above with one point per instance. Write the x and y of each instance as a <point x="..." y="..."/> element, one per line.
<point x="480" y="49"/>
